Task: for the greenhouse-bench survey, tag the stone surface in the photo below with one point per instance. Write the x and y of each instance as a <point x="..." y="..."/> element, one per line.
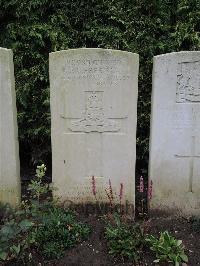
<point x="94" y="113"/>
<point x="9" y="151"/>
<point x="175" y="133"/>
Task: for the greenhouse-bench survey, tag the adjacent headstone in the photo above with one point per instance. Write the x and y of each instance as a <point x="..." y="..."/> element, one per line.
<point x="175" y="133"/>
<point x="94" y="114"/>
<point x="9" y="153"/>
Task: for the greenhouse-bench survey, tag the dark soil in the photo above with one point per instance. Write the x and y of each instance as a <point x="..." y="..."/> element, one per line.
<point x="94" y="251"/>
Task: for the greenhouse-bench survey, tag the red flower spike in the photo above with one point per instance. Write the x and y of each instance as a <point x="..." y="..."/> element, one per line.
<point x="93" y="186"/>
<point x="110" y="189"/>
<point x="150" y="190"/>
<point x="121" y="192"/>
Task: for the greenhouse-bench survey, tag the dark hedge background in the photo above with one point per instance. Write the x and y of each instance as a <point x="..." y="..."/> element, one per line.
<point x="34" y="28"/>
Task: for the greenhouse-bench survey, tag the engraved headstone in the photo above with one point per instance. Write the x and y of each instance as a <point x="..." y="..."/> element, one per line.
<point x="175" y="133"/>
<point x="9" y="154"/>
<point x="94" y="114"/>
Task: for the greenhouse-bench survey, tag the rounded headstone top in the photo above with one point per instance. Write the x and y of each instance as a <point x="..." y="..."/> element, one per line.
<point x="5" y="49"/>
<point x="93" y="50"/>
<point x="181" y="53"/>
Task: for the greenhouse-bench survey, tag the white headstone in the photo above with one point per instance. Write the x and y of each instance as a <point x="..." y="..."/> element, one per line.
<point x="175" y="133"/>
<point x="94" y="114"/>
<point x="9" y="151"/>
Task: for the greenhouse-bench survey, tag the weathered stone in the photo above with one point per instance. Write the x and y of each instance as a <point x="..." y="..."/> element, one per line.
<point x="175" y="133"/>
<point x="9" y="151"/>
<point x="94" y="114"/>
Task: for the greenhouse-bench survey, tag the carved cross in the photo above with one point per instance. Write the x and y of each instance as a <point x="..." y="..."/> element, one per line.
<point x="191" y="156"/>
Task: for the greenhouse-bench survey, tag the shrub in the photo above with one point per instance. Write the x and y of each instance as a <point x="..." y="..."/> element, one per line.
<point x="58" y="231"/>
<point x="124" y="240"/>
<point x="167" y="249"/>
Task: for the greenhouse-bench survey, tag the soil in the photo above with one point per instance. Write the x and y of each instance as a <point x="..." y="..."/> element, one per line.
<point x="94" y="251"/>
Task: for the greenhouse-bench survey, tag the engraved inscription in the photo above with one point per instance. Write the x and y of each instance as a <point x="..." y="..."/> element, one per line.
<point x="93" y="117"/>
<point x="188" y="82"/>
<point x="94" y="69"/>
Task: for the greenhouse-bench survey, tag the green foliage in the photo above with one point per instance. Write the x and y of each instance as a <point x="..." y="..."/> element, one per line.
<point x="14" y="239"/>
<point x="37" y="187"/>
<point x="124" y="240"/>
<point x="38" y="224"/>
<point x="34" y="28"/>
<point x="167" y="249"/>
<point x="58" y="231"/>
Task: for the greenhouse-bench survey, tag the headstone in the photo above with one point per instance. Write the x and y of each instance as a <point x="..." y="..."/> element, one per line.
<point x="175" y="133"/>
<point x="9" y="151"/>
<point x="94" y="114"/>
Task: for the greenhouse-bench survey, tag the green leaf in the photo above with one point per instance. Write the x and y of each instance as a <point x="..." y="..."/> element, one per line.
<point x="184" y="257"/>
<point x="179" y="242"/>
<point x="7" y="230"/>
<point x="25" y="224"/>
<point x="176" y="263"/>
<point x="16" y="249"/>
<point x="3" y="255"/>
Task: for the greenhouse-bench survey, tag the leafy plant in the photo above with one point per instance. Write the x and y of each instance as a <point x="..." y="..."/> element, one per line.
<point x="58" y="231"/>
<point x="38" y="224"/>
<point x="124" y="240"/>
<point x="37" y="187"/>
<point x="16" y="233"/>
<point x="167" y="248"/>
<point x="14" y="240"/>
